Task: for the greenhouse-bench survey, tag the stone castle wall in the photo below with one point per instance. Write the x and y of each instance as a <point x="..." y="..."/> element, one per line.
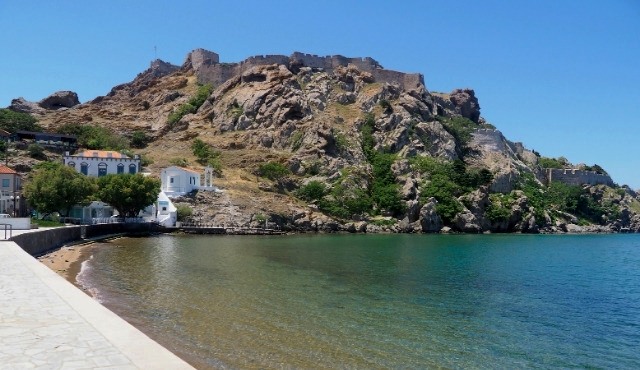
<point x="572" y="176"/>
<point x="209" y="70"/>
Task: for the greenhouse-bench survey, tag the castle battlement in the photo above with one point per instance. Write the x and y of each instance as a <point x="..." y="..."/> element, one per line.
<point x="574" y="176"/>
<point x="208" y="68"/>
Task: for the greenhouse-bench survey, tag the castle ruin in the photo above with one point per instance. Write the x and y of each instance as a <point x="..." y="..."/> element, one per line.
<point x="574" y="176"/>
<point x="208" y="68"/>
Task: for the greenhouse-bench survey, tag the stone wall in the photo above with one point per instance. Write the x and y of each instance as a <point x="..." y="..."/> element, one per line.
<point x="573" y="176"/>
<point x="209" y="70"/>
<point x="41" y="241"/>
<point x="38" y="242"/>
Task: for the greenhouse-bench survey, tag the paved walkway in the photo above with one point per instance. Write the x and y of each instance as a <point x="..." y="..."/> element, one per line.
<point x="47" y="323"/>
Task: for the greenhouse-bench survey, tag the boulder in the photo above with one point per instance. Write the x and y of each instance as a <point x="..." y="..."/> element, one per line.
<point x="24" y="106"/>
<point x="466" y="103"/>
<point x="429" y="219"/>
<point x="467" y="222"/>
<point x="59" y="100"/>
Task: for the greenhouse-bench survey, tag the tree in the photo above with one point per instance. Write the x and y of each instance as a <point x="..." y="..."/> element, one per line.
<point x="56" y="188"/>
<point x="128" y="193"/>
<point x="139" y="139"/>
<point x="314" y="190"/>
<point x="15" y="121"/>
<point x="273" y="171"/>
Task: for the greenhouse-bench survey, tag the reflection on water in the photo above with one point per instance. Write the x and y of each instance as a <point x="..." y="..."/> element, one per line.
<point x="381" y="301"/>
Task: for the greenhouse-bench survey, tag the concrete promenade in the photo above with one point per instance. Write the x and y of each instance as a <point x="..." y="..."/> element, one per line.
<point x="48" y="323"/>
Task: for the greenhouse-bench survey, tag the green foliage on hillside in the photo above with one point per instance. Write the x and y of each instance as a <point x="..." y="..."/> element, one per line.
<point x="273" y="170"/>
<point x="191" y="106"/>
<point x="313" y="191"/>
<point x="95" y="137"/>
<point x="572" y="199"/>
<point x="15" y="121"/>
<point x="447" y="181"/>
<point x="499" y="207"/>
<point x="139" y="139"/>
<point x="459" y="127"/>
<point x="383" y="190"/>
<point x="596" y="168"/>
<point x="206" y="155"/>
<point x="348" y="197"/>
<point x="546" y="162"/>
<point x="36" y="151"/>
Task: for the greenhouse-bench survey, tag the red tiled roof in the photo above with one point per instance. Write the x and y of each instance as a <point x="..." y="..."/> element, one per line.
<point x="100" y="154"/>
<point x="6" y="170"/>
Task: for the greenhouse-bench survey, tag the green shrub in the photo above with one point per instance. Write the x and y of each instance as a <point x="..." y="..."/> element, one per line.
<point x="183" y="211"/>
<point x="175" y="116"/>
<point x="386" y="106"/>
<point x="95" y="137"/>
<point x="546" y="162"/>
<point x="36" y="151"/>
<point x="139" y="139"/>
<point x="204" y="91"/>
<point x="499" y="207"/>
<point x="273" y="170"/>
<point x="383" y="190"/>
<point x="460" y="128"/>
<point x="313" y="191"/>
<point x="445" y="191"/>
<point x="207" y="156"/>
<point x="191" y="106"/>
<point x="296" y="140"/>
<point x="235" y="110"/>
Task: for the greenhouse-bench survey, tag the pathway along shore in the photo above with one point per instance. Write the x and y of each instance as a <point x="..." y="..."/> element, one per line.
<point x="47" y="322"/>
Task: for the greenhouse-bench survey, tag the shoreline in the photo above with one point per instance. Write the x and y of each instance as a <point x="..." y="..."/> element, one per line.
<point x="67" y="260"/>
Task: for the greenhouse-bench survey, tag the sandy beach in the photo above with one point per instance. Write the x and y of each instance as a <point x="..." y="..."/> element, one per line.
<point x="67" y="261"/>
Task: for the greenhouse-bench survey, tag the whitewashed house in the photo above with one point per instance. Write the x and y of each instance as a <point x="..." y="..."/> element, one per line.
<point x="97" y="163"/>
<point x="102" y="162"/>
<point x="177" y="181"/>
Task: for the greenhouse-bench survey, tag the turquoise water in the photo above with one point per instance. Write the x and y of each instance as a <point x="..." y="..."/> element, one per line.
<point x="380" y="301"/>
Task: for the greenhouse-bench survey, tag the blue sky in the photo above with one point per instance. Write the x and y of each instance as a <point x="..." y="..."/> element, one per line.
<point x="561" y="76"/>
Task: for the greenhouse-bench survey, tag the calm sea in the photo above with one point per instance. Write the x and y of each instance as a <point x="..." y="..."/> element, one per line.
<point x="379" y="301"/>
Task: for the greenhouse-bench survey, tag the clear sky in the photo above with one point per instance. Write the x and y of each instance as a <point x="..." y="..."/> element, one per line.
<point x="561" y="76"/>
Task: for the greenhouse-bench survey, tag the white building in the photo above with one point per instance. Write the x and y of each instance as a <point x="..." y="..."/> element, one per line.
<point x="177" y="181"/>
<point x="102" y="162"/>
<point x="10" y="189"/>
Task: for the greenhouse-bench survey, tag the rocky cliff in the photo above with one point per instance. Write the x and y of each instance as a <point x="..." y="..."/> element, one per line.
<point x="388" y="153"/>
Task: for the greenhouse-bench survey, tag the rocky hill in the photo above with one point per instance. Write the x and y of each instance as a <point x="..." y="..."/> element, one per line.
<point x="358" y="148"/>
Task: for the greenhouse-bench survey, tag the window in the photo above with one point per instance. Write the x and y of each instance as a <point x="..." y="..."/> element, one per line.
<point x="71" y="164"/>
<point x="6" y="183"/>
<point x="171" y="180"/>
<point x="132" y="168"/>
<point x="121" y="168"/>
<point x="84" y="168"/>
<point x="102" y="169"/>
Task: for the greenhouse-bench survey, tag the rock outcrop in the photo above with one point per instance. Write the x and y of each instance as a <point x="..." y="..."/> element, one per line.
<point x="60" y="100"/>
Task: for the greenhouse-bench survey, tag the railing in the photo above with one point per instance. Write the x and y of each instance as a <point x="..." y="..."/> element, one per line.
<point x="5" y="230"/>
<point x="116" y="220"/>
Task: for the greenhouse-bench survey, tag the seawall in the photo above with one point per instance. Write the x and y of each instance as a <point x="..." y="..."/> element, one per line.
<point x="49" y="323"/>
<point x="38" y="242"/>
